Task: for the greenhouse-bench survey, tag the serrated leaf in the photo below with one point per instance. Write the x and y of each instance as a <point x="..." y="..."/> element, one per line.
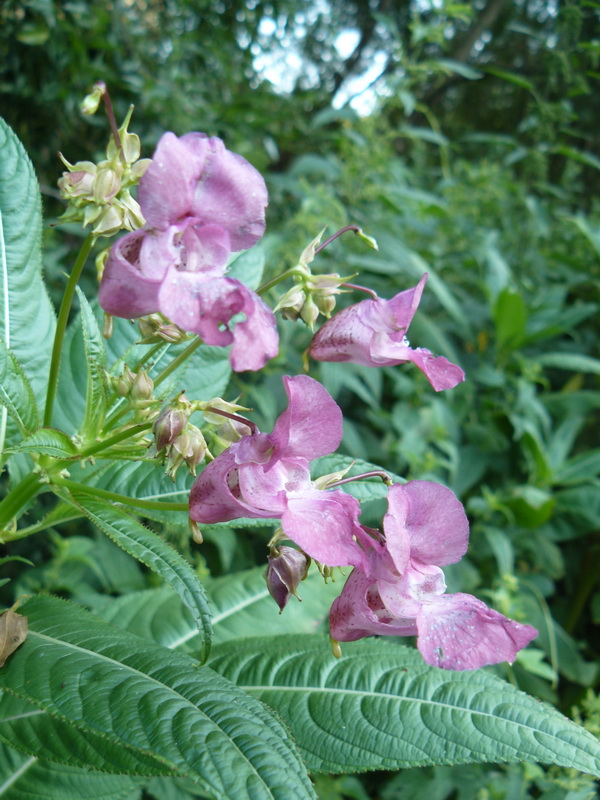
<point x="241" y="604"/>
<point x="153" y="700"/>
<point x="25" y="777"/>
<point x="380" y="707"/>
<point x="16" y="395"/>
<point x="27" y="319"/>
<point x="49" y="442"/>
<point x="35" y="732"/>
<point x="151" y="550"/>
<point x="95" y="359"/>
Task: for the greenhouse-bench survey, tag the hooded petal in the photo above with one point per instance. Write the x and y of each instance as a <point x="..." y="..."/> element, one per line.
<point x="324" y="524"/>
<point x="267" y="486"/>
<point x="425" y="522"/>
<point x="441" y="373"/>
<point x="125" y="291"/>
<point x="215" y="495"/>
<point x="359" y="612"/>
<point x="459" y="632"/>
<point x="345" y="337"/>
<point x="167" y="188"/>
<point x="311" y="425"/>
<point x="230" y="191"/>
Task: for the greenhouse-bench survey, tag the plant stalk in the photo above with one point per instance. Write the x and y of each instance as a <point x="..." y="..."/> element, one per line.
<point x="18" y="497"/>
<point x="157" y="505"/>
<point x="61" y="324"/>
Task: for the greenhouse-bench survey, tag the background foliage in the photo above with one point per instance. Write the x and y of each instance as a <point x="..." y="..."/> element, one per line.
<point x="471" y="156"/>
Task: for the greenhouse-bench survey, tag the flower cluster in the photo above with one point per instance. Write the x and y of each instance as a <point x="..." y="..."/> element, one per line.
<point x="397" y="586"/>
<point x="201" y="203"/>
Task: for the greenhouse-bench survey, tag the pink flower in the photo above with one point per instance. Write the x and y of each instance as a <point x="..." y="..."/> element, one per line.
<point x="268" y="476"/>
<point x="201" y="203"/>
<point x="401" y="593"/>
<point x="373" y="333"/>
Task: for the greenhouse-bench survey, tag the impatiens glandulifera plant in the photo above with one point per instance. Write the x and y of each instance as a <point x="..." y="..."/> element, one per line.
<point x="123" y="700"/>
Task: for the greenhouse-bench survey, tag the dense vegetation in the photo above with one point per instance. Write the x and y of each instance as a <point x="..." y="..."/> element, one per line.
<point x="472" y="157"/>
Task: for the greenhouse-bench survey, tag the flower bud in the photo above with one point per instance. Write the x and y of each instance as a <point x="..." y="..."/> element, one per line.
<point x="156" y="328"/>
<point x="291" y="303"/>
<point x="286" y="568"/>
<point x="168" y="426"/>
<point x="106" y="185"/>
<point x="123" y="384"/>
<point x="90" y="103"/>
<point x="189" y="447"/>
<point x="142" y="388"/>
<point x="309" y="312"/>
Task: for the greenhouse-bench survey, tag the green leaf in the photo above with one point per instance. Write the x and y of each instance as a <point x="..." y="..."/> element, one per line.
<point x="240" y="602"/>
<point x="580" y="468"/>
<point x="380" y="707"/>
<point x="95" y="359"/>
<point x="510" y="316"/>
<point x="460" y="68"/>
<point x="248" y="266"/>
<point x="16" y="395"/>
<point x="49" y="442"/>
<point x="150" y="699"/>
<point x="151" y="550"/>
<point x="27" y="319"/>
<point x="510" y="77"/>
<point x="24" y="777"/>
<point x="573" y="362"/>
<point x="34" y="731"/>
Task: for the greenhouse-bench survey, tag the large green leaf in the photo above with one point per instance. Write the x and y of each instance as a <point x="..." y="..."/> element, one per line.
<point x="35" y="732"/>
<point x="95" y="359"/>
<point x="26" y="316"/>
<point x="48" y="441"/>
<point x="241" y="605"/>
<point x="380" y="707"/>
<point x="25" y="777"/>
<point x="151" y="550"/>
<point x="16" y="395"/>
<point x="154" y="701"/>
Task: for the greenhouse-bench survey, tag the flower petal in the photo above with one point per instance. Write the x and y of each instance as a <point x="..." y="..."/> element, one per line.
<point x="255" y="339"/>
<point x="230" y="192"/>
<point x="311" y="425"/>
<point x="460" y="632"/>
<point x="440" y="372"/>
<point x="425" y="522"/>
<point x="323" y="524"/>
<point x="345" y="337"/>
<point x="166" y="190"/>
<point x="359" y="612"/>
<point x="125" y="291"/>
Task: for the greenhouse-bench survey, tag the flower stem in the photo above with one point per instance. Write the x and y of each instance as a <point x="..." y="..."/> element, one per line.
<point x="191" y="348"/>
<point x="253" y="427"/>
<point x="135" y="502"/>
<point x="289" y="273"/>
<point x="358" y="288"/>
<point x="61" y="324"/>
<point x="128" y="433"/>
<point x="375" y="474"/>
<point x="18" y="497"/>
<point x="354" y="228"/>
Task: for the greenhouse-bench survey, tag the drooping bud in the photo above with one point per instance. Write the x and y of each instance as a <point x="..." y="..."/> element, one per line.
<point x="156" y="328"/>
<point x="168" y="427"/>
<point x="286" y="568"/>
<point x="189" y="447"/>
<point x="122" y="384"/>
<point x="91" y="102"/>
<point x="291" y="303"/>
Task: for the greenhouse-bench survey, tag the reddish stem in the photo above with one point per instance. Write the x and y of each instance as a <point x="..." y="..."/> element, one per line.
<point x="376" y="474"/>
<point x="253" y="427"/>
<point x="354" y="228"/>
<point x="358" y="288"/>
<point x="111" y="119"/>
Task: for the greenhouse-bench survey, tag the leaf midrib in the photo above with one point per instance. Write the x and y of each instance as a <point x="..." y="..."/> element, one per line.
<point x="145" y="675"/>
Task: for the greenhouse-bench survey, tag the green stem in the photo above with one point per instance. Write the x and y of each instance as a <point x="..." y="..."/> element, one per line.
<point x="150" y="354"/>
<point x="61" y="324"/>
<point x="158" y="505"/>
<point x="105" y="444"/>
<point x="18" y="497"/>
<point x="289" y="273"/>
<point x="191" y="348"/>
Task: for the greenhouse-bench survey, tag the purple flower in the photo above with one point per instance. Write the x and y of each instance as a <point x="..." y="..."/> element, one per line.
<point x="373" y="333"/>
<point x="268" y="476"/>
<point x="201" y="203"/>
<point x="401" y="592"/>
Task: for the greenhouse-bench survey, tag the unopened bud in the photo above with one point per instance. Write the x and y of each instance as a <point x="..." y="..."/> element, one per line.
<point x="189" y="447"/>
<point x="168" y="427"/>
<point x="368" y="240"/>
<point x="91" y="102"/>
<point x="124" y="383"/>
<point x="286" y="568"/>
<point x="155" y="328"/>
<point x="106" y="185"/>
<point x="309" y="312"/>
<point x="291" y="303"/>
<point x="196" y="532"/>
<point x="142" y="388"/>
